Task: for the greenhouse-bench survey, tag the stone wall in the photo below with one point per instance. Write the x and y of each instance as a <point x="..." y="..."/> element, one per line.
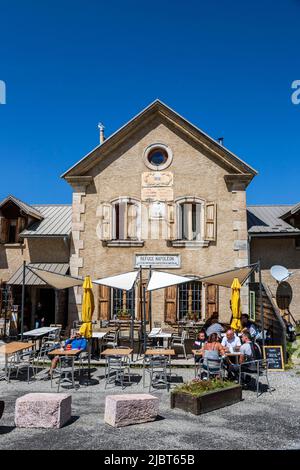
<point x="196" y="173"/>
<point x="282" y="251"/>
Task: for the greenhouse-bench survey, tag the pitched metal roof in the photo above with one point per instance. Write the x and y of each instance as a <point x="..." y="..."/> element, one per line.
<point x="57" y="220"/>
<point x="293" y="210"/>
<point x="32" y="279"/>
<point x="267" y="219"/>
<point x="30" y="210"/>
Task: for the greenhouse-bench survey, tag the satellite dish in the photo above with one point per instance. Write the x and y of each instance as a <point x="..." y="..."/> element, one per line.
<point x="280" y="273"/>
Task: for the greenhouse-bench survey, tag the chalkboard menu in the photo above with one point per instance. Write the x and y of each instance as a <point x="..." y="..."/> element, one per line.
<point x="274" y="356"/>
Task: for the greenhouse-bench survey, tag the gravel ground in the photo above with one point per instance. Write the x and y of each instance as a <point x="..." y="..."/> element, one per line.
<point x="270" y="421"/>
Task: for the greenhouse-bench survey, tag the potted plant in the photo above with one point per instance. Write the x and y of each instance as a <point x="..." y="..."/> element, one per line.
<point x="123" y="314"/>
<point x="201" y="396"/>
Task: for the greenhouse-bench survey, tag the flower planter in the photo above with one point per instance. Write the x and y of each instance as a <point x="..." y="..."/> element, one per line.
<point x="209" y="401"/>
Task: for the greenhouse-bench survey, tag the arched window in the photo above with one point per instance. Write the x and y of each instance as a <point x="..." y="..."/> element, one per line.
<point x="190" y="217"/>
<point x="126" y="219"/>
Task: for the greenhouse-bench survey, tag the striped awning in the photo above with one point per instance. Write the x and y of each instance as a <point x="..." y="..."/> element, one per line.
<point x="32" y="279"/>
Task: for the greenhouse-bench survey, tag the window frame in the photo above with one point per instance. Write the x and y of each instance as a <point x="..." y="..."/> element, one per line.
<point x="127" y="201"/>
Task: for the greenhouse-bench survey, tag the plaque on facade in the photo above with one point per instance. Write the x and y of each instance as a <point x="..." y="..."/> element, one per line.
<point x="157" y="179"/>
<point x="157" y="194"/>
<point x="157" y="210"/>
<point x="157" y="261"/>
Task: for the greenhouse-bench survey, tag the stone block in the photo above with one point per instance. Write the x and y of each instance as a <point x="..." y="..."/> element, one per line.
<point x="123" y="410"/>
<point x="43" y="410"/>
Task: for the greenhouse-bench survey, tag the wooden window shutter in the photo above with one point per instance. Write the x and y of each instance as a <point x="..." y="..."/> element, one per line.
<point x="3" y="230"/>
<point x="106" y="221"/>
<point x="131" y="221"/>
<point x="212" y="300"/>
<point x="171" y="304"/>
<point x="171" y="222"/>
<point x="210" y="221"/>
<point x="104" y="303"/>
<point x="139" y="303"/>
<point x="20" y="227"/>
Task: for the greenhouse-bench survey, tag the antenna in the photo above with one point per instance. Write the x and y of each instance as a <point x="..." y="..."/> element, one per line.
<point x="280" y="273"/>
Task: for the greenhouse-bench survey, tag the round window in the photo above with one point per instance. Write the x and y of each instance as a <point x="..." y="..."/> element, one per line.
<point x="157" y="157"/>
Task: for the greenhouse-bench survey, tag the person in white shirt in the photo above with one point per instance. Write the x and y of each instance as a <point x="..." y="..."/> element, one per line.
<point x="231" y="341"/>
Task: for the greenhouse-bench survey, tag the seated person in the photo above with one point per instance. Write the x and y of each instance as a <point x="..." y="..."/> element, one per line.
<point x="199" y="343"/>
<point x="246" y="323"/>
<point x="247" y="354"/>
<point x="213" y="344"/>
<point x="231" y="341"/>
<point x="75" y="342"/>
<point x="210" y="319"/>
<point x="215" y="327"/>
<point x="213" y="350"/>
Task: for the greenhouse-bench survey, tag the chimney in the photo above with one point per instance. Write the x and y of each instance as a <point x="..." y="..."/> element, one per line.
<point x="221" y="140"/>
<point x="101" y="129"/>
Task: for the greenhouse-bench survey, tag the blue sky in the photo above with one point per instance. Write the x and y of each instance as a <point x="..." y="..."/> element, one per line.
<point x="227" y="66"/>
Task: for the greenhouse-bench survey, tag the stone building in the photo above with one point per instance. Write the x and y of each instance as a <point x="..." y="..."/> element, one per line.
<point x="159" y="192"/>
<point x="274" y="238"/>
<point x="39" y="235"/>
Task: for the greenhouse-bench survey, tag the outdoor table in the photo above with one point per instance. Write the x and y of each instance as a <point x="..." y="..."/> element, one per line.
<point x="13" y="348"/>
<point x="234" y="355"/>
<point x="117" y="352"/>
<point x="99" y="335"/>
<point x="164" y="335"/>
<point x="159" y="352"/>
<point x="38" y="333"/>
<point x="65" y="352"/>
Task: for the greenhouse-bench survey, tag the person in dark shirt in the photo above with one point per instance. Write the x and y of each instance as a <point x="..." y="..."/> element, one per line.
<point x="199" y="343"/>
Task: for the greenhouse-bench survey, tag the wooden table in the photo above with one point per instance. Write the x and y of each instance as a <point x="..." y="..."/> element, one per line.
<point x="117" y="352"/>
<point x="65" y="352"/>
<point x="160" y="352"/>
<point x="13" y="348"/>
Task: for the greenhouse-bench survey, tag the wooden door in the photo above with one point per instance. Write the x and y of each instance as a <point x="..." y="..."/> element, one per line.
<point x="139" y="302"/>
<point x="171" y="304"/>
<point x="212" y="300"/>
<point x="104" y="303"/>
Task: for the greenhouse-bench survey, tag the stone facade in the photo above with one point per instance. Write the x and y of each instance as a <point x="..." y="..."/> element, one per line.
<point x="197" y="172"/>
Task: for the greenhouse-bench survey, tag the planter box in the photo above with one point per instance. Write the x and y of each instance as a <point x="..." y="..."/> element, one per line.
<point x="208" y="402"/>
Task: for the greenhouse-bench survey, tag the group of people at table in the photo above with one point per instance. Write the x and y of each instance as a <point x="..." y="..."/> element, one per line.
<point x="212" y="337"/>
<point x="232" y="347"/>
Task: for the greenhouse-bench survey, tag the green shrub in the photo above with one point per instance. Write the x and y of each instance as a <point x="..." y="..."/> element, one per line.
<point x="199" y="387"/>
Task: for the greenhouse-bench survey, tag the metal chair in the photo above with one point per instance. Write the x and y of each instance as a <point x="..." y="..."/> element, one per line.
<point x="65" y="368"/>
<point x="111" y="340"/>
<point x="212" y="365"/>
<point x="255" y="369"/>
<point x="19" y="361"/>
<point x="118" y="366"/>
<point x="158" y="372"/>
<point x="179" y="342"/>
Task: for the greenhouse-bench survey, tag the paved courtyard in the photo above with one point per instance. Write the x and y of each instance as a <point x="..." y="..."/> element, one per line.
<point x="271" y="421"/>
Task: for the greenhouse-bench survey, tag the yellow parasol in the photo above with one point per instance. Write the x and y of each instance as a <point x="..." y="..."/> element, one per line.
<point x="88" y="306"/>
<point x="236" y="305"/>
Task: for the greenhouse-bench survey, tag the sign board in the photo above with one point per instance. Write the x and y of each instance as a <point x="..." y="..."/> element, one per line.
<point x="157" y="194"/>
<point x="274" y="356"/>
<point x="157" y="178"/>
<point x="157" y="261"/>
